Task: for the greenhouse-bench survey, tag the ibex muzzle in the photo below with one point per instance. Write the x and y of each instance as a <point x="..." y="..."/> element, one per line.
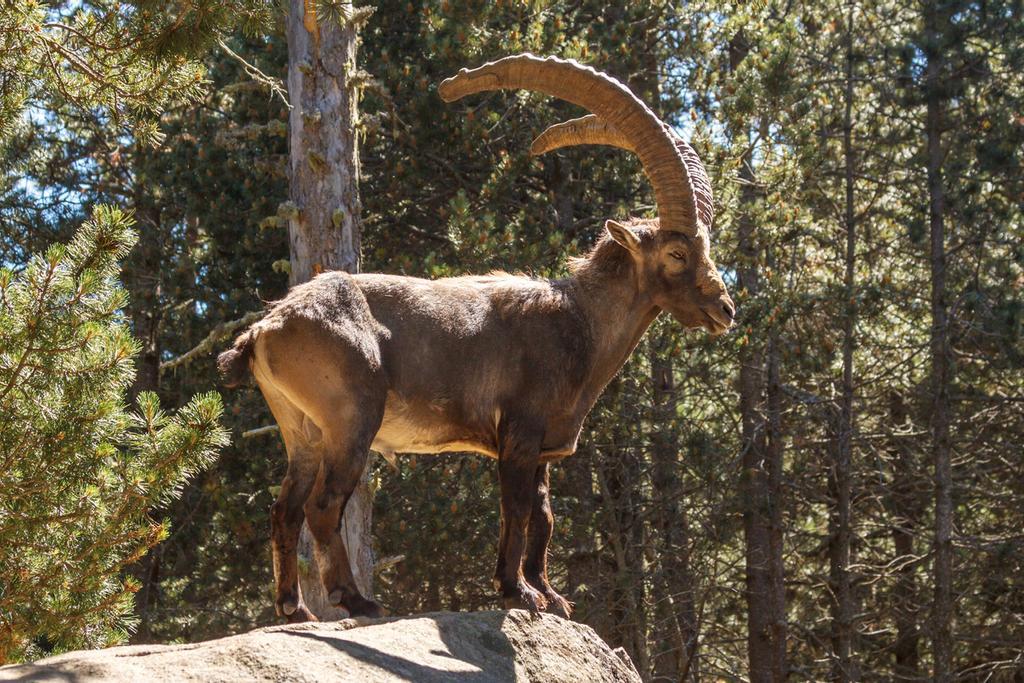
<point x="503" y="365"/>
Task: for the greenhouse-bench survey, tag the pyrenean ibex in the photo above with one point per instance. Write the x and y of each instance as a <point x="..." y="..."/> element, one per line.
<point x="503" y="365"/>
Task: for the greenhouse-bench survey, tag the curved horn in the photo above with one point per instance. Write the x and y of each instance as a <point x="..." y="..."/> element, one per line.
<point x="612" y="102"/>
<point x="586" y="130"/>
<point x="590" y="130"/>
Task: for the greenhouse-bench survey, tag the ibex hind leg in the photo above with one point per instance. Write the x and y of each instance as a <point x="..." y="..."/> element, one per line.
<point x="346" y="450"/>
<point x="338" y="391"/>
<point x="286" y="514"/>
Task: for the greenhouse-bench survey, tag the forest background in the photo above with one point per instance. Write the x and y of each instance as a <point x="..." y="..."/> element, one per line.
<point x="834" y="490"/>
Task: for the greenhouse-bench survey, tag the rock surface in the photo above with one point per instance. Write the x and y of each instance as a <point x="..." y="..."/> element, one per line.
<point x="442" y="646"/>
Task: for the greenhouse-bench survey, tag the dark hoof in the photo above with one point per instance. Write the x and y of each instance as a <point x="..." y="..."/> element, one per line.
<point x="357" y="605"/>
<point x="300" y="615"/>
<point x="287" y="605"/>
<point x="558" y="605"/>
<point x="524" y="596"/>
<point x="367" y="608"/>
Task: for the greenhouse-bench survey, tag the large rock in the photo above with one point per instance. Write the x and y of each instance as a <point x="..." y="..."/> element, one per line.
<point x="443" y="646"/>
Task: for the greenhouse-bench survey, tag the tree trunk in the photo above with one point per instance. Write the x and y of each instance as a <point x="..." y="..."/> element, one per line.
<point x="766" y="645"/>
<point x="626" y="538"/>
<point x="935" y="20"/>
<point x="143" y="279"/>
<point x="904" y="512"/>
<point x="765" y="652"/>
<point x="583" y="560"/>
<point x="676" y="631"/>
<point x="618" y="478"/>
<point x="324" y="226"/>
<point x="562" y="198"/>
<point x="776" y="598"/>
<point x="844" y="666"/>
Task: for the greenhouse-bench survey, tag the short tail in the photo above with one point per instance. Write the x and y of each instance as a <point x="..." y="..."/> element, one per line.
<point x="235" y="363"/>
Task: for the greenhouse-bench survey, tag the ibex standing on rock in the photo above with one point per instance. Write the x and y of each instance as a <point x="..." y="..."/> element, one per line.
<point x="503" y="365"/>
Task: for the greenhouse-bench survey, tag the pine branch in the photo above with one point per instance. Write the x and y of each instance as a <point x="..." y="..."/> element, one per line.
<point x="272" y="84"/>
<point x="386" y="563"/>
<point x="260" y="431"/>
<point x="216" y="334"/>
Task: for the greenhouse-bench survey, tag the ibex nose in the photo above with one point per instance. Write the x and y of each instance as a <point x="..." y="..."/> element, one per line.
<point x="729" y="309"/>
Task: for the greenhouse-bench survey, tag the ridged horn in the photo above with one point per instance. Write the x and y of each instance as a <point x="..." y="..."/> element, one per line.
<point x="586" y="130"/>
<point x="613" y="103"/>
<point x="590" y="130"/>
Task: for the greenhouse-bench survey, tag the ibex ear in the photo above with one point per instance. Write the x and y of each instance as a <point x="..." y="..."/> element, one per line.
<point x="624" y="236"/>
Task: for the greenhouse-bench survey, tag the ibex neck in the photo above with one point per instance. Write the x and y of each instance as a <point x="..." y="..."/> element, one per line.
<point x="618" y="314"/>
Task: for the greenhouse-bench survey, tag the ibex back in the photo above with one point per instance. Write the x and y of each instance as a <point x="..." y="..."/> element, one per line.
<point x="503" y="365"/>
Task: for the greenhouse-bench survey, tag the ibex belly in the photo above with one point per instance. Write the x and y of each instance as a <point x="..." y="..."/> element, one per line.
<point x="425" y="427"/>
<point x="428" y="427"/>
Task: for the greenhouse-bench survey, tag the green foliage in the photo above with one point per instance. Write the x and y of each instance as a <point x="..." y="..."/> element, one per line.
<point x="130" y="61"/>
<point x="79" y="473"/>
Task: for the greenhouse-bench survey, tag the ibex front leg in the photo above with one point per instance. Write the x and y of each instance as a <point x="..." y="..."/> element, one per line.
<point x="542" y="521"/>
<point x="518" y="459"/>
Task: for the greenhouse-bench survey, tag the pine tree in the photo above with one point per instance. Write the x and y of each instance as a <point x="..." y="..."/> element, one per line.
<point x="79" y="473"/>
<point x="78" y="81"/>
<point x="126" y="61"/>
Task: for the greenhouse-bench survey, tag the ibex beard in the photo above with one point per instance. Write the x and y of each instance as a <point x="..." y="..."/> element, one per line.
<point x="503" y="365"/>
